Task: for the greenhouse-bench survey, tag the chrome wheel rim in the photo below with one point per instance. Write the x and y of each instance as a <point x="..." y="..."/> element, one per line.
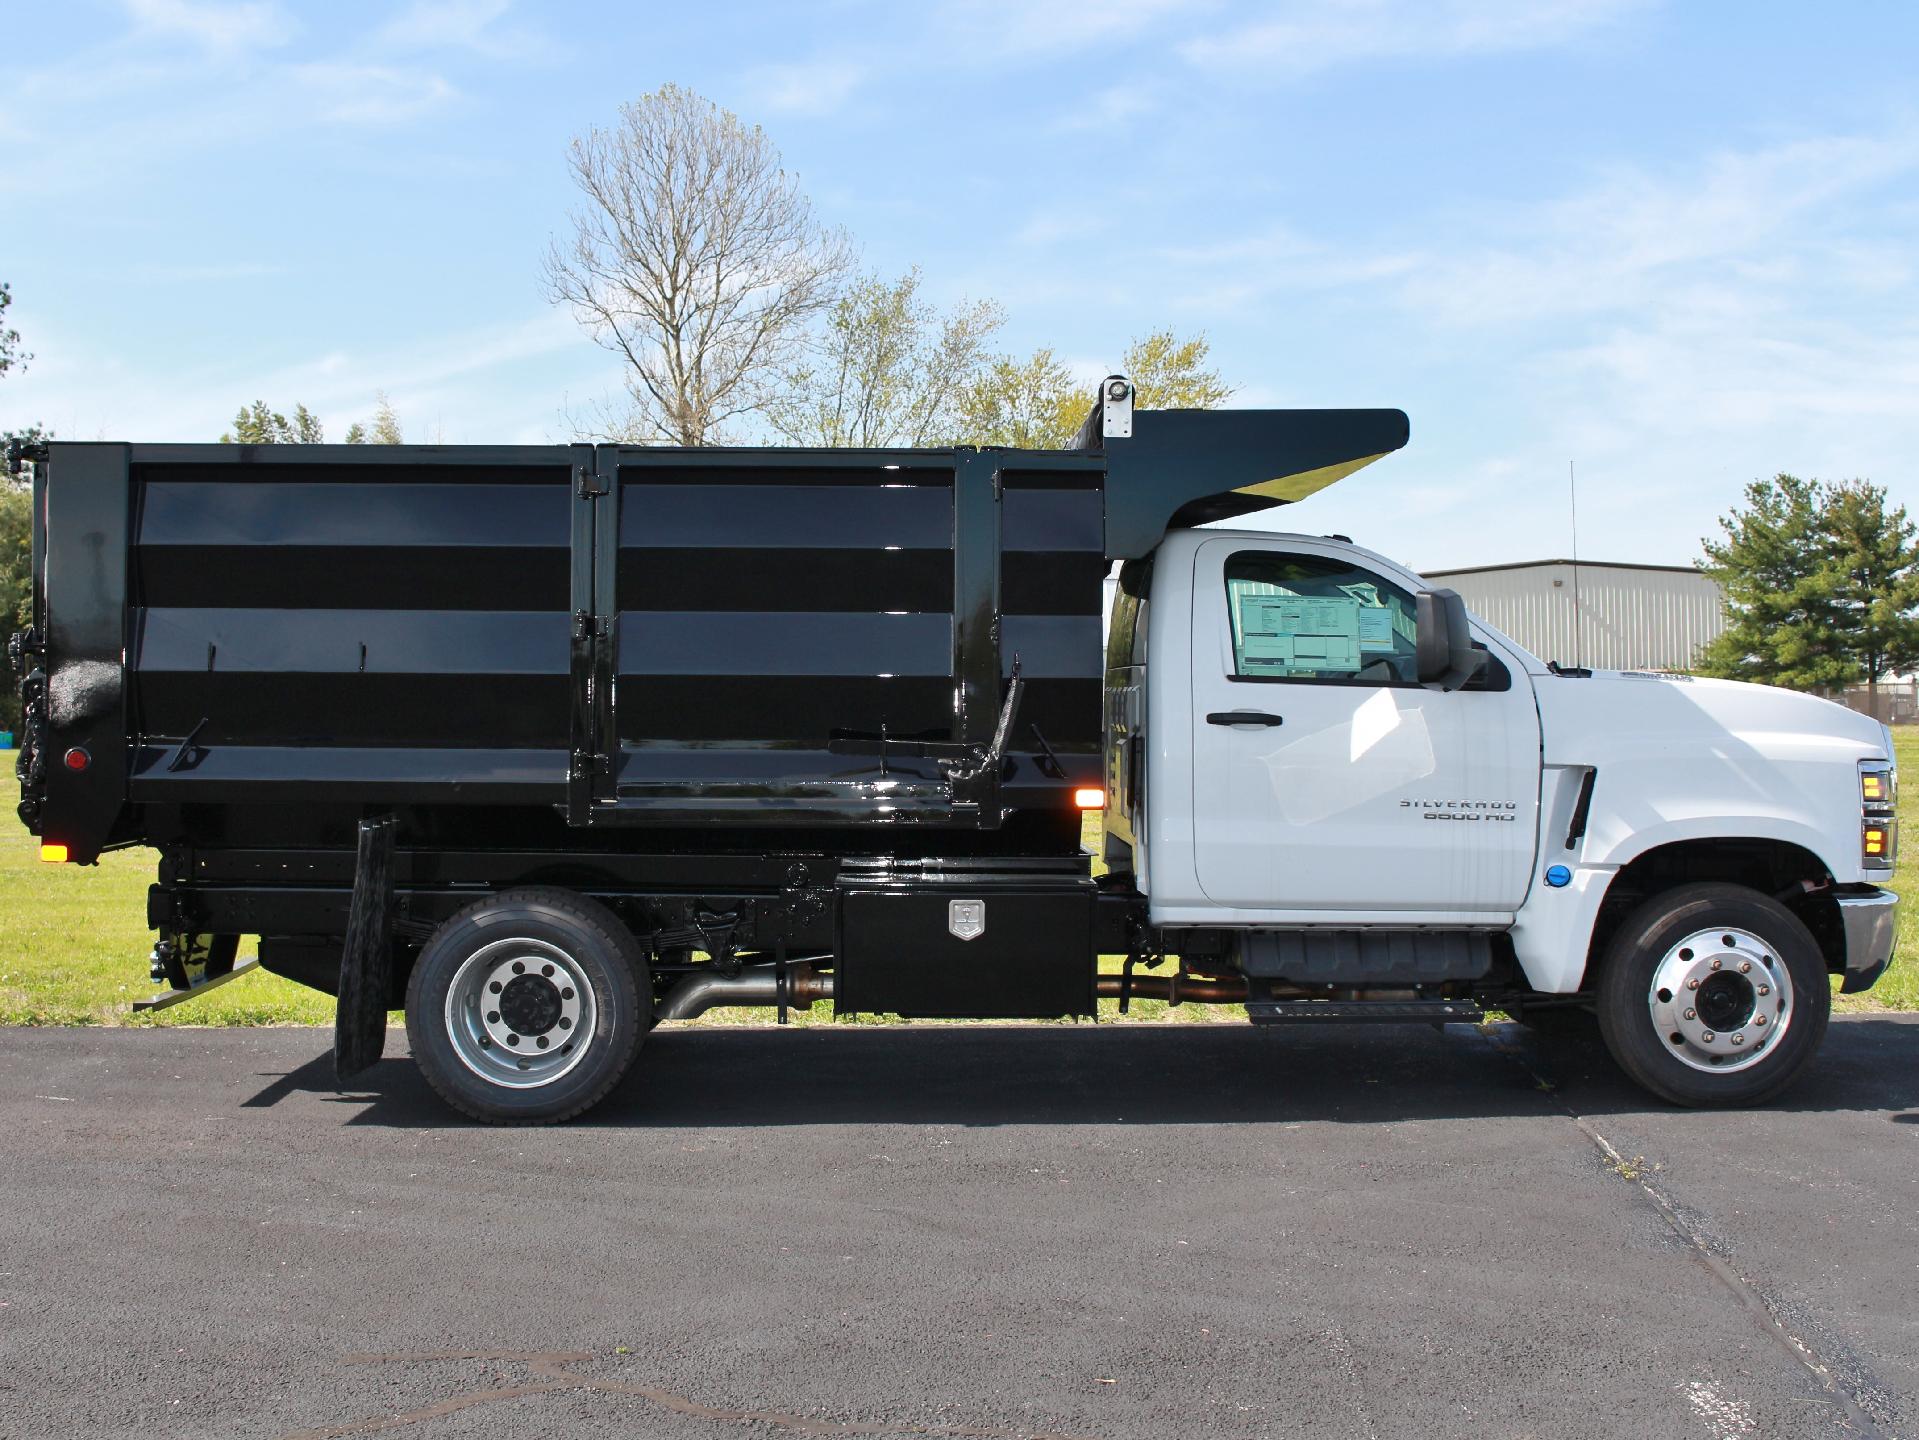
<point x="521" y="1013"/>
<point x="1721" y="1000"/>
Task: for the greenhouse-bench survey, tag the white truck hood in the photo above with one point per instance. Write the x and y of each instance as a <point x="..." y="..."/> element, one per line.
<point x="1681" y="758"/>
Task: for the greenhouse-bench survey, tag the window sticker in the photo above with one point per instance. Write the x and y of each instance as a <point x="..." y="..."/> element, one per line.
<point x="1282" y="634"/>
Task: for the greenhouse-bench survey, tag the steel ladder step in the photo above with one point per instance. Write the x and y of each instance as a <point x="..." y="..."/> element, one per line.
<point x="1436" y="1012"/>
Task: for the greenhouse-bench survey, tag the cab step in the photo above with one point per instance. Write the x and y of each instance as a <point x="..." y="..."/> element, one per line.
<point x="1432" y="1012"/>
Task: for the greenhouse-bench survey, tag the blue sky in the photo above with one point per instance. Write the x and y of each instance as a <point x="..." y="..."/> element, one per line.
<point x="1672" y="242"/>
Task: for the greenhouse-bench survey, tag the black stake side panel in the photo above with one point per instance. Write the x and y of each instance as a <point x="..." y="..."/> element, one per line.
<point x="770" y="605"/>
<point x="368" y="625"/>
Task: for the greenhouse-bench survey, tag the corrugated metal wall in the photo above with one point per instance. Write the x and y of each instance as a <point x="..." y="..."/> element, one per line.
<point x="1629" y="617"/>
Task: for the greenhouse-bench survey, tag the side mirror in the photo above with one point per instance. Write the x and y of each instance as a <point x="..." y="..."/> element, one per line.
<point x="1444" y="650"/>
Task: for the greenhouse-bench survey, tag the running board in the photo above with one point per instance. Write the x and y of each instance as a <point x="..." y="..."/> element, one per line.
<point x="1433" y="1012"/>
<point x="193" y="992"/>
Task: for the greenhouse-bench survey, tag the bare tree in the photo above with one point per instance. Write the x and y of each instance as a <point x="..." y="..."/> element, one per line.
<point x="695" y="258"/>
<point x="884" y="368"/>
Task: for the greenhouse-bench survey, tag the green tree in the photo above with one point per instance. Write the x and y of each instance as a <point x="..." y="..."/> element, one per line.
<point x="1170" y="374"/>
<point x="382" y="429"/>
<point x="1031" y="404"/>
<point x="1821" y="586"/>
<point x="386" y="424"/>
<point x="1036" y="404"/>
<point x="16" y="528"/>
<point x="1872" y="567"/>
<point x="11" y="354"/>
<point x="258" y="425"/>
<point x="882" y="367"/>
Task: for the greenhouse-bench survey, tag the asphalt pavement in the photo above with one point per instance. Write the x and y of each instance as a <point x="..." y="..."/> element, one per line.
<point x="991" y="1231"/>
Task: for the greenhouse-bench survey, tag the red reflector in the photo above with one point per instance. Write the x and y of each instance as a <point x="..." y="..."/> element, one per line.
<point x="54" y="854"/>
<point x="1090" y="799"/>
<point x="78" y="759"/>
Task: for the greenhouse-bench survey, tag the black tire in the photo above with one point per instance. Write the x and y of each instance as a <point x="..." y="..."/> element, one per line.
<point x="1652" y="936"/>
<point x="573" y="931"/>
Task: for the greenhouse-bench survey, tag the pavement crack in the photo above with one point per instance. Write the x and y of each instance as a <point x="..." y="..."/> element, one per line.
<point x="552" y="1371"/>
<point x="1635" y="1172"/>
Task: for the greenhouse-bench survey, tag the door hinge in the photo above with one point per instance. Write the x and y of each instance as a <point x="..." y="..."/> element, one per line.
<point x="591" y="482"/>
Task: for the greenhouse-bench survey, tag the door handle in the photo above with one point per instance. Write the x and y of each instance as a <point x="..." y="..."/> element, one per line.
<point x="1244" y="717"/>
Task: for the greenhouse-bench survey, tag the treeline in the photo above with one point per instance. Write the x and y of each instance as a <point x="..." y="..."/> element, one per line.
<point x="257" y="424"/>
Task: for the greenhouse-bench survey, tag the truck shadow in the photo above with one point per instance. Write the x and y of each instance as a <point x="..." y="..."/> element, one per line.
<point x="1130" y="1075"/>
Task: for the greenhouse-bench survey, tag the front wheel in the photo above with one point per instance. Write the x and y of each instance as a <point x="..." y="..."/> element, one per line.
<point x="1713" y="995"/>
<point x="528" y="1007"/>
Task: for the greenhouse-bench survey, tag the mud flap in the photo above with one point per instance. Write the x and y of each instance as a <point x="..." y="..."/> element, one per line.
<point x="359" y="1019"/>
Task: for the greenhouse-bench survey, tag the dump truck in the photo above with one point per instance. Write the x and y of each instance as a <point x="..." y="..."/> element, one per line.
<point x="550" y="745"/>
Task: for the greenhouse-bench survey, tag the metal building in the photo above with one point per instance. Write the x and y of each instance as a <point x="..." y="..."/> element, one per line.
<point x="1628" y="617"/>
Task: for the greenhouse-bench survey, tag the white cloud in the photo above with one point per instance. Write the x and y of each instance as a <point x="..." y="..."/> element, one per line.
<point x="1738" y="228"/>
<point x="473" y="25"/>
<point x="225" y="29"/>
<point x="469" y="384"/>
<point x="1022" y="29"/>
<point x="814" y="87"/>
<point x="371" y="94"/>
<point x="1313" y="35"/>
<point x="1675" y="330"/>
<point x="1112" y="110"/>
<point x="1051" y="227"/>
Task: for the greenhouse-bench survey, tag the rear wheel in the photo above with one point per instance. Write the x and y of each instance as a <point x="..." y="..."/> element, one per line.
<point x="528" y="1007"/>
<point x="1713" y="995"/>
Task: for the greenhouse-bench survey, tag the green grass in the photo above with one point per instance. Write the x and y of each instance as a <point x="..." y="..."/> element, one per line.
<point x="74" y="946"/>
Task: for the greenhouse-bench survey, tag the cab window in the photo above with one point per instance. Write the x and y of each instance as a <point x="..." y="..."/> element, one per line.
<point x="1305" y="617"/>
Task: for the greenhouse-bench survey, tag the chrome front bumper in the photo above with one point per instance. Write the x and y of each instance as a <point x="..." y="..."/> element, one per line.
<point x="1870" y="917"/>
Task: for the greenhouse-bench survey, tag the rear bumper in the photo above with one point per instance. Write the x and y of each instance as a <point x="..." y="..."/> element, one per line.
<point x="1870" y="917"/>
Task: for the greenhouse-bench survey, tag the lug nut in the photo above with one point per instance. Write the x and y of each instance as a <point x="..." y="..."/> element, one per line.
<point x="1692" y="984"/>
<point x="1715" y="964"/>
<point x="1765" y="989"/>
<point x="1745" y="966"/>
<point x="1692" y="1014"/>
<point x="1706" y="1035"/>
<point x="1739" y="1039"/>
<point x="1758" y="1020"/>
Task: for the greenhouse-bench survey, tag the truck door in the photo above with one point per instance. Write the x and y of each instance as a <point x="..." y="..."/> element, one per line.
<point x="1325" y="777"/>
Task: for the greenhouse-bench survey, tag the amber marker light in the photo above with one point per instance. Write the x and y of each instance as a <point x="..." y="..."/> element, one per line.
<point x="1876" y="837"/>
<point x="1872" y="786"/>
<point x="1090" y="799"/>
<point x="54" y="854"/>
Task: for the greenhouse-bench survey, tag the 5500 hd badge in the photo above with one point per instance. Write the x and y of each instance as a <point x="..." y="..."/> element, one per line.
<point x="1463" y="809"/>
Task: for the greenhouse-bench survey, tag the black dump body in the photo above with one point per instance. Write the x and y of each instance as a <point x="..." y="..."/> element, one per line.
<point x="695" y="682"/>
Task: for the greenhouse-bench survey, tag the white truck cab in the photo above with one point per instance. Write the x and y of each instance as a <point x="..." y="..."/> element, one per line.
<point x="1310" y="771"/>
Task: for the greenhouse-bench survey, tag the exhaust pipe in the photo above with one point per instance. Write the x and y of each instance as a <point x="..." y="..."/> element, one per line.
<point x="1175" y="988"/>
<point x="754" y="985"/>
